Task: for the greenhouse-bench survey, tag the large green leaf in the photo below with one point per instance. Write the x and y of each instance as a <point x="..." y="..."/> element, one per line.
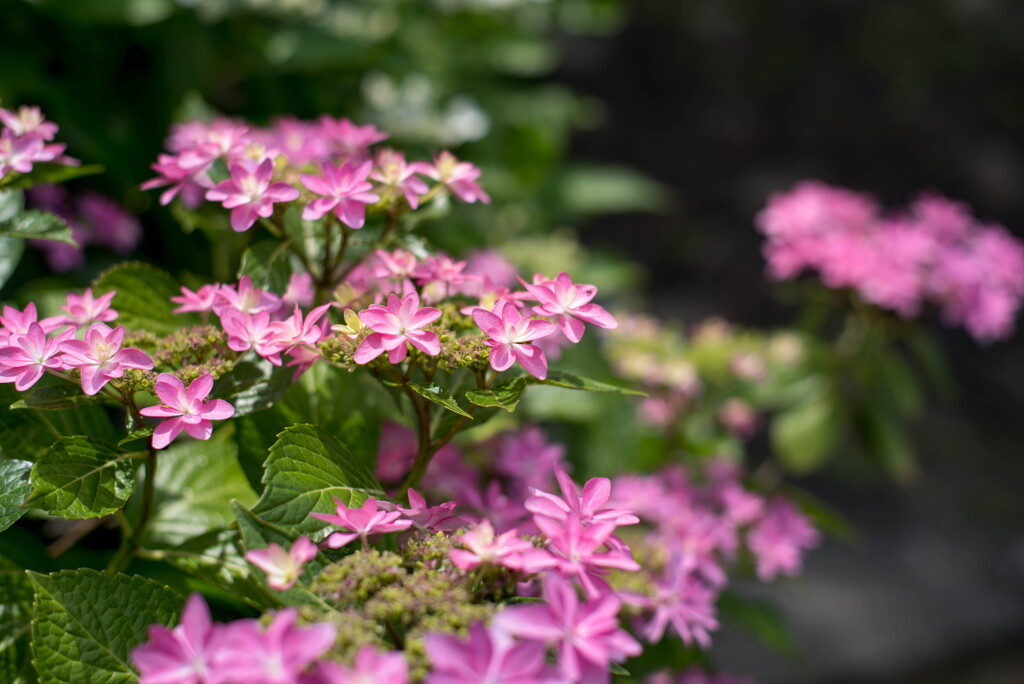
<point x="15" y="624"/>
<point x="216" y="558"/>
<point x="195" y="483"/>
<point x="48" y="173"/>
<point x="80" y="477"/>
<point x="505" y="395"/>
<point x="143" y="297"/>
<point x="14" y="487"/>
<point x="306" y="470"/>
<point x="254" y="385"/>
<point x="11" y="250"/>
<point x="804" y="436"/>
<point x="37" y="225"/>
<point x="571" y="381"/>
<point x="266" y="264"/>
<point x="54" y="395"/>
<point x="440" y="396"/>
<point x="27" y="433"/>
<point x="87" y="623"/>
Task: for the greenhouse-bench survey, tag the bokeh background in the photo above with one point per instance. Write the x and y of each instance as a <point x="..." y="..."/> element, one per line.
<point x="651" y="131"/>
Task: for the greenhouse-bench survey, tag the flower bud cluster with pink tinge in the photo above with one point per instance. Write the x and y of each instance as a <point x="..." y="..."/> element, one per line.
<point x="26" y="139"/>
<point x="934" y="252"/>
<point x="327" y="165"/>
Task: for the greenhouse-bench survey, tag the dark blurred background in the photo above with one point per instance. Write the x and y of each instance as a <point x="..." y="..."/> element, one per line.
<point x="655" y="129"/>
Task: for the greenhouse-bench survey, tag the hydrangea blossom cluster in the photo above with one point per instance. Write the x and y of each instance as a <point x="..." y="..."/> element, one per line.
<point x="94" y="220"/>
<point x="326" y="165"/>
<point x="694" y="530"/>
<point x="934" y="252"/>
<point x="26" y="139"/>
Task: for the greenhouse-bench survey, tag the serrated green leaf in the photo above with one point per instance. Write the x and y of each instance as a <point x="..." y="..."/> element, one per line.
<point x="80" y="477"/>
<point x="306" y="469"/>
<point x="143" y="297"/>
<point x="14" y="487"/>
<point x="87" y="623"/>
<point x="440" y="396"/>
<point x="15" y="624"/>
<point x="505" y="395"/>
<point x="44" y="173"/>
<point x="135" y="435"/>
<point x="253" y="385"/>
<point x="33" y="224"/>
<point x="54" y="397"/>
<point x="11" y="250"/>
<point x="266" y="264"/>
<point x="25" y="434"/>
<point x="572" y="381"/>
<point x="259" y="534"/>
<point x="195" y="483"/>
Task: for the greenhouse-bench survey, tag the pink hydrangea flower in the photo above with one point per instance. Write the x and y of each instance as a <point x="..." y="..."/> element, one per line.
<point x="297" y="331"/>
<point x="182" y="655"/>
<point x="18" y="154"/>
<point x="28" y="121"/>
<point x="347" y="139"/>
<point x="586" y="553"/>
<point x="100" y="359"/>
<point x="252" y="331"/>
<point x="684" y="602"/>
<point x="440" y="518"/>
<point x="779" y="539"/>
<point x="185" y="409"/>
<point x="247" y="298"/>
<point x="392" y="171"/>
<point x="370" y="667"/>
<point x="369" y="519"/>
<point x="401" y="321"/>
<point x="190" y="180"/>
<point x="15" y="322"/>
<point x="249" y="194"/>
<point x="283" y="568"/>
<point x="483" y="546"/>
<point x="586" y="635"/>
<point x="487" y="655"/>
<point x="300" y="290"/>
<point x="587" y="506"/>
<point x="458" y="176"/>
<point x="29" y="354"/>
<point x="200" y="301"/>
<point x="571" y="304"/>
<point x="84" y="309"/>
<point x="279" y="655"/>
<point x="344" y="190"/>
<point x="509" y="335"/>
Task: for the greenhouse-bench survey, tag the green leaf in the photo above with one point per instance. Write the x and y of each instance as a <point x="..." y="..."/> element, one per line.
<point x="25" y="434"/>
<point x="43" y="173"/>
<point x="135" y="435"/>
<point x="38" y="225"/>
<point x="259" y="534"/>
<point x="805" y="435"/>
<point x="304" y="235"/>
<point x="15" y="624"/>
<point x="306" y="469"/>
<point x="571" y="381"/>
<point x="80" y="477"/>
<point x="266" y="263"/>
<point x="440" y="396"/>
<point x="87" y="623"/>
<point x="254" y="385"/>
<point x="14" y="487"/>
<point x="11" y="250"/>
<point x="54" y="396"/>
<point x="761" y="618"/>
<point x="505" y="395"/>
<point x="215" y="557"/>
<point x="143" y="297"/>
<point x="195" y="483"/>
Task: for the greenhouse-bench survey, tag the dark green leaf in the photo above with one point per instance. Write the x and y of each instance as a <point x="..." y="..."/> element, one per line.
<point x="37" y="225"/>
<point x="15" y="624"/>
<point x="505" y="395"/>
<point x="27" y="433"/>
<point x="54" y="396"/>
<point x="306" y="470"/>
<point x="215" y="558"/>
<point x="254" y="385"/>
<point x="572" y="381"/>
<point x="14" y="487"/>
<point x="80" y="477"/>
<point x="266" y="264"/>
<point x="761" y="618"/>
<point x="87" y="623"/>
<point x="440" y="396"/>
<point x="804" y="436"/>
<point x="11" y="250"/>
<point x="135" y="435"/>
<point x="143" y="297"/>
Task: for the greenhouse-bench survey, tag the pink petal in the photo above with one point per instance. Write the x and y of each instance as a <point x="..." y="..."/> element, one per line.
<point x="200" y="388"/>
<point x="166" y="432"/>
<point x="217" y="409"/>
<point x="532" y="358"/>
<point x="501" y="357"/>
